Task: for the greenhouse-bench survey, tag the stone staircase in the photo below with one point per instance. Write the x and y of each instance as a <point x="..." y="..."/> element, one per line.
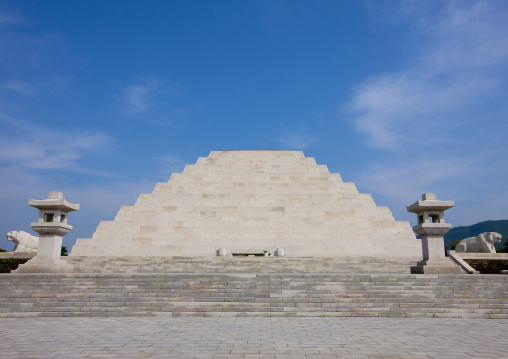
<point x="253" y="294"/>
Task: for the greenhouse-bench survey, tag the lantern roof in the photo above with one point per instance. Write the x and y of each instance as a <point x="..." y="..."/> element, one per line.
<point x="429" y="203"/>
<point x="55" y="201"/>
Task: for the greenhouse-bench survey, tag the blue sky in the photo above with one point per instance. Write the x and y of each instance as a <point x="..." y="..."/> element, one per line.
<point x="102" y="99"/>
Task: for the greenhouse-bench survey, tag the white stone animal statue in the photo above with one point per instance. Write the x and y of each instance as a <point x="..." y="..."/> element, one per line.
<point x="482" y="243"/>
<point x="223" y="252"/>
<point x="24" y="241"/>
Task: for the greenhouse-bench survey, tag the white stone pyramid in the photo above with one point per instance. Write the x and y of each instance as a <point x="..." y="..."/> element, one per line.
<point x="251" y="201"/>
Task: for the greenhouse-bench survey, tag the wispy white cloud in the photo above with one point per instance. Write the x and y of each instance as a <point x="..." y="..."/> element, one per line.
<point x="479" y="192"/>
<point x="139" y="97"/>
<point x="459" y="66"/>
<point x="35" y="159"/>
<point x="28" y="146"/>
<point x="148" y="98"/>
<point x="297" y="138"/>
<point x="441" y="120"/>
<point x="20" y="87"/>
<point x="401" y="182"/>
<point x="98" y="201"/>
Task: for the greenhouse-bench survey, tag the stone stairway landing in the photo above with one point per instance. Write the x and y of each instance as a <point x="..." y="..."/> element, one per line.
<point x="222" y="265"/>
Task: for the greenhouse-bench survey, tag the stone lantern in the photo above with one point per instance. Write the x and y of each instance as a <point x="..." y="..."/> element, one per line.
<point x="432" y="227"/>
<point x="52" y="226"/>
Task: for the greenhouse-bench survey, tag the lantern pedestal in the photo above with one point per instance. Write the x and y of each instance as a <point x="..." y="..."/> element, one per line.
<point x="48" y="258"/>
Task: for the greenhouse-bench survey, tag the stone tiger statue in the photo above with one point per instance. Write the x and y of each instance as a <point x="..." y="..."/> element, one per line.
<point x="482" y="243"/>
<point x="24" y="241"/>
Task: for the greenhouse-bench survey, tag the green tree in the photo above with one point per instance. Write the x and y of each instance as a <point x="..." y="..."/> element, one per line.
<point x="504" y="247"/>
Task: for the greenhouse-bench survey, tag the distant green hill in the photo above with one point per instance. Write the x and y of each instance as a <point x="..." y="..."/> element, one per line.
<point x="462" y="232"/>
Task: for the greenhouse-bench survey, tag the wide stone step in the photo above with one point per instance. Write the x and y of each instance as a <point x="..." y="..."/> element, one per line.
<point x="349" y="265"/>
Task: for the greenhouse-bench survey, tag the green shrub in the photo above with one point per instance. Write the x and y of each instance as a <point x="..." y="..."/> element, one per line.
<point x="7" y="265"/>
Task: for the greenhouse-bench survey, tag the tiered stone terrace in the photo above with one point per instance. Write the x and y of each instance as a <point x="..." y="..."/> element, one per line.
<point x="220" y="265"/>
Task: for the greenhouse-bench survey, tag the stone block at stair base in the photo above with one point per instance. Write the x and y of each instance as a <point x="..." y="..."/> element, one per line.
<point x="436" y="267"/>
<point x="45" y="265"/>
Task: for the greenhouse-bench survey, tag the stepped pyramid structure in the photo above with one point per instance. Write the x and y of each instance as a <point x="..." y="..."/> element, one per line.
<point x="253" y="201"/>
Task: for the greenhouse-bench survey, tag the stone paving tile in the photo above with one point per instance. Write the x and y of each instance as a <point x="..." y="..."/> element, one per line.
<point x="253" y="337"/>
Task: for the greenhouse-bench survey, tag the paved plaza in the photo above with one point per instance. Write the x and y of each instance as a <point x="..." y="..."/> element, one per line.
<point x="359" y="338"/>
